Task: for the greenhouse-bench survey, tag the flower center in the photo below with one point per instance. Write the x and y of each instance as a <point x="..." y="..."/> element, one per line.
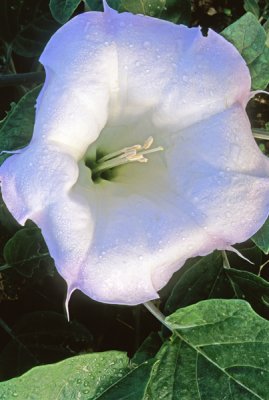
<point x="103" y="167"/>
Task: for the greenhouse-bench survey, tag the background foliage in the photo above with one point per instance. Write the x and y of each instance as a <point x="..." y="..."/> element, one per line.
<point x="217" y="311"/>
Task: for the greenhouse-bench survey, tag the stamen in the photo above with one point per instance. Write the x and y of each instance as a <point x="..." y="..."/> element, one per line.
<point x="137" y="157"/>
<point x="148" y="143"/>
<point x="128" y="153"/>
<point x="124" y="156"/>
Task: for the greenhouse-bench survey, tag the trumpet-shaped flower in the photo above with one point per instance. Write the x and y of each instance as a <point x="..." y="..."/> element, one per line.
<point x="142" y="154"/>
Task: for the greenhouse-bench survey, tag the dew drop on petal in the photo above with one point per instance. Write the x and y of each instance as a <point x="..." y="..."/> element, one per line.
<point x="146" y="44"/>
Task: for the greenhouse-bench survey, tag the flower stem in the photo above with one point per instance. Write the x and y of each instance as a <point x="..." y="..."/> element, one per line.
<point x="260" y="134"/>
<point x="157" y="314"/>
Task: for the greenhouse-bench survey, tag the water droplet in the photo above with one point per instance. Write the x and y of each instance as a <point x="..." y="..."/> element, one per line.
<point x="185" y="78"/>
<point x="137" y="63"/>
<point x="146" y="44"/>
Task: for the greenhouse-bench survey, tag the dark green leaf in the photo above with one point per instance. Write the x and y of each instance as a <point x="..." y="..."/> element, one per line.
<point x="25" y="250"/>
<point x="220" y="350"/>
<point x="26" y="25"/>
<point x="254" y="288"/>
<point x="249" y="37"/>
<point x="62" y="10"/>
<point x="40" y="338"/>
<point x="152" y="7"/>
<point x="199" y="280"/>
<point x="131" y="386"/>
<point x="148" y="349"/>
<point x="83" y="377"/>
<point x="252" y="6"/>
<point x="261" y="238"/>
<point x="6" y="219"/>
<point x="177" y="11"/>
<point x="146" y="7"/>
<point x="97" y="5"/>
<point x="17" y="129"/>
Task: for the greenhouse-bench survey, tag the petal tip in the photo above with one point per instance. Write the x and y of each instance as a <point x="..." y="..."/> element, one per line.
<point x="70" y="289"/>
<point x="107" y="9"/>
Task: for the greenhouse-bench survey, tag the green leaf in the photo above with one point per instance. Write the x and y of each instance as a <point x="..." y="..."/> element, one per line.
<point x="132" y="386"/>
<point x="219" y="350"/>
<point x="252" y="6"/>
<point x="25" y="250"/>
<point x="261" y="238"/>
<point x="83" y="377"/>
<point x="249" y="37"/>
<point x="62" y="10"/>
<point x="17" y="128"/>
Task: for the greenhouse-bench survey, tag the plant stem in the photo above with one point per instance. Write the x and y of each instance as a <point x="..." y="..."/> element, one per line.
<point x="260" y="134"/>
<point x="157" y="314"/>
<point x="226" y="263"/>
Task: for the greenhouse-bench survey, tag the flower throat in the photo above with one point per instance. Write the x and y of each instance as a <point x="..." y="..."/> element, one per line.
<point x="104" y="166"/>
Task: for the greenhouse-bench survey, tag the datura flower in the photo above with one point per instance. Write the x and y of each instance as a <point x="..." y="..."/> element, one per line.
<point x="142" y="154"/>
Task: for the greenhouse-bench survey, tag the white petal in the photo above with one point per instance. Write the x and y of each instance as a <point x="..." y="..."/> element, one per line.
<point x="34" y="178"/>
<point x="117" y="79"/>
